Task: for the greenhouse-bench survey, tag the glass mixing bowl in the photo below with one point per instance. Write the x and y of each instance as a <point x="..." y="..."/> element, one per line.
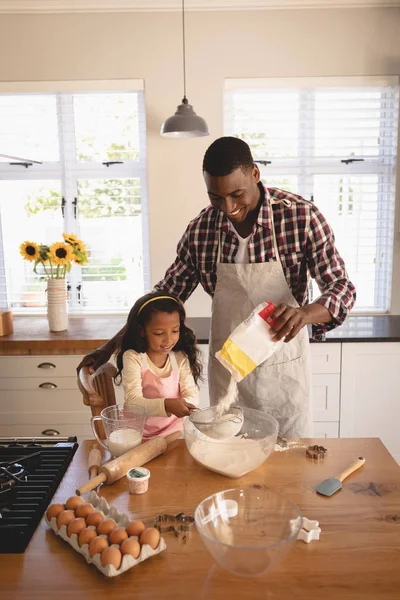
<point x="234" y="457"/>
<point x="248" y="531"/>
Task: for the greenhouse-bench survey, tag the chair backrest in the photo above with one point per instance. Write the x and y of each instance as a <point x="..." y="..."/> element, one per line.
<point x="98" y="389"/>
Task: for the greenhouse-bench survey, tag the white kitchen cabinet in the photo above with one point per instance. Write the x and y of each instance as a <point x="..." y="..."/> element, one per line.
<point x="325" y="388"/>
<point x="370" y="393"/>
<point x="39" y="396"/>
<point x="325" y="430"/>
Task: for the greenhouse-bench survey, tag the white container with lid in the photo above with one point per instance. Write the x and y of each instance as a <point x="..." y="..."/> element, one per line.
<point x="138" y="479"/>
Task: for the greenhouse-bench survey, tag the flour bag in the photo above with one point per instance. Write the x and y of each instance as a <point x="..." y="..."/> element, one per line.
<point x="250" y="344"/>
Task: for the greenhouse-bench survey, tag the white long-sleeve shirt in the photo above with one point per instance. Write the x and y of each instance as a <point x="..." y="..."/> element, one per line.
<point x="132" y="381"/>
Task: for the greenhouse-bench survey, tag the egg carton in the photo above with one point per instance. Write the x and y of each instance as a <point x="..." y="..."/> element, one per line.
<point x="121" y="520"/>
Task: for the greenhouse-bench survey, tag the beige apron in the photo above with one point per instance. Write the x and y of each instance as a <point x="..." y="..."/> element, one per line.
<point x="281" y="385"/>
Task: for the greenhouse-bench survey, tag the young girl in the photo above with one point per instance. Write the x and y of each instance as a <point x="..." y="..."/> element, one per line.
<point x="159" y="362"/>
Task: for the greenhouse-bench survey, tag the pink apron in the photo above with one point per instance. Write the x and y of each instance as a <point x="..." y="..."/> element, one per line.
<point x="154" y="386"/>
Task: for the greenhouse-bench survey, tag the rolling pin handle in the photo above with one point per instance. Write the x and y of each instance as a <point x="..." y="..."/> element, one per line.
<point x="172" y="437"/>
<point x="91" y="485"/>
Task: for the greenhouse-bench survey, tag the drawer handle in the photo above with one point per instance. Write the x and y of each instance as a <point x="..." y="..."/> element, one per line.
<point x="47" y="385"/>
<point x="50" y="432"/>
<point x="46" y="365"/>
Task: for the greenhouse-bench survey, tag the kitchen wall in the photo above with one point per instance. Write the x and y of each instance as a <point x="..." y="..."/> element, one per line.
<point x="266" y="43"/>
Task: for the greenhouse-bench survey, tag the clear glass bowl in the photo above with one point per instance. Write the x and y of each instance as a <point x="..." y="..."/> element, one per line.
<point x="239" y="455"/>
<point x="248" y="531"/>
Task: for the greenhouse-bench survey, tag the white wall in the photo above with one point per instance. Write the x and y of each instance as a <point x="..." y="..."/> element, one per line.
<point x="219" y="44"/>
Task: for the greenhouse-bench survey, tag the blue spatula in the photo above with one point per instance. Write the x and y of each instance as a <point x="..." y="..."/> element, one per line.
<point x="333" y="484"/>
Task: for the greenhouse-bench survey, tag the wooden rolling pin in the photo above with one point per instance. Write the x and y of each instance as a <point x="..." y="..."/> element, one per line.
<point x="94" y="461"/>
<point x="117" y="468"/>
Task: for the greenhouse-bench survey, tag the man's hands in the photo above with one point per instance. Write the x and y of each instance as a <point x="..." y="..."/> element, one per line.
<point x="178" y="407"/>
<point x="290" y="320"/>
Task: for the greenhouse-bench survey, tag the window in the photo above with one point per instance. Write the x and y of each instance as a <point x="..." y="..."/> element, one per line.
<point x="334" y="142"/>
<point x="92" y="182"/>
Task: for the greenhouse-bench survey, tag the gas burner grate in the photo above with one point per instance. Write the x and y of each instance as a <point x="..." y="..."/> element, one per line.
<point x="22" y="504"/>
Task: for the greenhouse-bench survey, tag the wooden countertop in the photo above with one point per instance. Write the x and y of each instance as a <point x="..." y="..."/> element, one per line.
<point x="32" y="336"/>
<point x="356" y="558"/>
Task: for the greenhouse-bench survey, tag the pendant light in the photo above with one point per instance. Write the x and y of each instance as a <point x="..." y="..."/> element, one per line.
<point x="184" y="123"/>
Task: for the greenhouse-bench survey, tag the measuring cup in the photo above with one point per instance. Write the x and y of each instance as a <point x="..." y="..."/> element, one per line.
<point x="123" y="427"/>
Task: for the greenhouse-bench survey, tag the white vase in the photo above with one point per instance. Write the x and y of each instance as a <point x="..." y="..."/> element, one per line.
<point x="57" y="304"/>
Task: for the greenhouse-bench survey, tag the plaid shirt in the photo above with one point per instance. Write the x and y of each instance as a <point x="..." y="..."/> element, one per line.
<point x="306" y="247"/>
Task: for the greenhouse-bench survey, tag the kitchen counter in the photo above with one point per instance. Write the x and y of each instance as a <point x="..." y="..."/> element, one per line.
<point x="32" y="336"/>
<point x="356" y="557"/>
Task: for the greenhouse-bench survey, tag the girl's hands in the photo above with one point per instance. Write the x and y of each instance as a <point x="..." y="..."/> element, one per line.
<point x="178" y="407"/>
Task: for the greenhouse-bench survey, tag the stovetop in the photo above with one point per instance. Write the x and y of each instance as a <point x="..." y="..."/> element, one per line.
<point x="30" y="471"/>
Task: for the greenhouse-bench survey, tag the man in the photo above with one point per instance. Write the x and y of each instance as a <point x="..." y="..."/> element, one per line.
<point x="250" y="245"/>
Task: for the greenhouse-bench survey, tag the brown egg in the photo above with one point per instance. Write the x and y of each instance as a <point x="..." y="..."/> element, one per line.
<point x="76" y="526"/>
<point x="65" y="517"/>
<point x="135" y="528"/>
<point x="106" y="527"/>
<point x="86" y="536"/>
<point x="111" y="556"/>
<point x="150" y="536"/>
<point x="131" y="546"/>
<point x="117" y="536"/>
<point x="97" y="545"/>
<point x="54" y="510"/>
<point x="95" y="518"/>
<point x="83" y="510"/>
<point x="73" y="502"/>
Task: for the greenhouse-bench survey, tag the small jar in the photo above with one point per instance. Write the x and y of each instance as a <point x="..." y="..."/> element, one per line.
<point x="138" y="480"/>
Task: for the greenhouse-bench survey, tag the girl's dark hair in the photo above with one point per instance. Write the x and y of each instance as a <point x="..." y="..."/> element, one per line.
<point x="133" y="339"/>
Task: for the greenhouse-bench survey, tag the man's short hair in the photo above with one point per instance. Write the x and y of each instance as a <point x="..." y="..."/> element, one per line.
<point x="225" y="155"/>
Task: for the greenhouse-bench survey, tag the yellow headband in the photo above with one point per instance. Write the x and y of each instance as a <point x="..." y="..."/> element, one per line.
<point x="156" y="298"/>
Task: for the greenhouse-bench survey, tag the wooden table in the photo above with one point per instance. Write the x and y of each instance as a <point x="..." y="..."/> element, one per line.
<point x="357" y="557"/>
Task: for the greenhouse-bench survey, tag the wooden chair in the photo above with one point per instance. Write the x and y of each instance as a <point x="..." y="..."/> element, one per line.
<point x="98" y="390"/>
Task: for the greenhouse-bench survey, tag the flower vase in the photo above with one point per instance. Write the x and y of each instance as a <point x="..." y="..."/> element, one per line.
<point x="57" y="304"/>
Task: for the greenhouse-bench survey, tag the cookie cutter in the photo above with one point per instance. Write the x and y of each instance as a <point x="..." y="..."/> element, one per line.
<point x="309" y="531"/>
<point x="316" y="451"/>
<point x="179" y="523"/>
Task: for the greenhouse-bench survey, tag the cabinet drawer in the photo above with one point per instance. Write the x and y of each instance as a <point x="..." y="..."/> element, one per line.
<point x="48" y="420"/>
<point x="42" y="424"/>
<point x="325" y="357"/>
<point x="8" y="384"/>
<point x="41" y="401"/>
<point x="29" y="430"/>
<point x="325" y="397"/>
<point x="326" y="430"/>
<point x="39" y="366"/>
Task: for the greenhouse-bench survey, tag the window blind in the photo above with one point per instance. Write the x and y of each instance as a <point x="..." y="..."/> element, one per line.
<point x="333" y="142"/>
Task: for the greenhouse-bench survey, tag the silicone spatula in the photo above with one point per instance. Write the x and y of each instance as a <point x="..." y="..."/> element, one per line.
<point x="333" y="484"/>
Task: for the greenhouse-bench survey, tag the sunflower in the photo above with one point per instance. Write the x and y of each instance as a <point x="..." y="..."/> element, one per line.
<point x="30" y="251"/>
<point x="61" y="254"/>
<point x="70" y="238"/>
<point x="80" y="257"/>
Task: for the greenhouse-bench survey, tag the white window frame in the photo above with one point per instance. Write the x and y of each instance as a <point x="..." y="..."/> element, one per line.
<point x="305" y="168"/>
<point x="69" y="171"/>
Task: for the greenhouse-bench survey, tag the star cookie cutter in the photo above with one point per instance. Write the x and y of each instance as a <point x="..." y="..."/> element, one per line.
<point x="309" y="531"/>
<point x="179" y="523"/>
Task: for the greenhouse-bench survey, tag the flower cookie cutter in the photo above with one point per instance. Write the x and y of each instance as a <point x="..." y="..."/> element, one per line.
<point x="316" y="451"/>
<point x="309" y="531"/>
<point x="179" y="523"/>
